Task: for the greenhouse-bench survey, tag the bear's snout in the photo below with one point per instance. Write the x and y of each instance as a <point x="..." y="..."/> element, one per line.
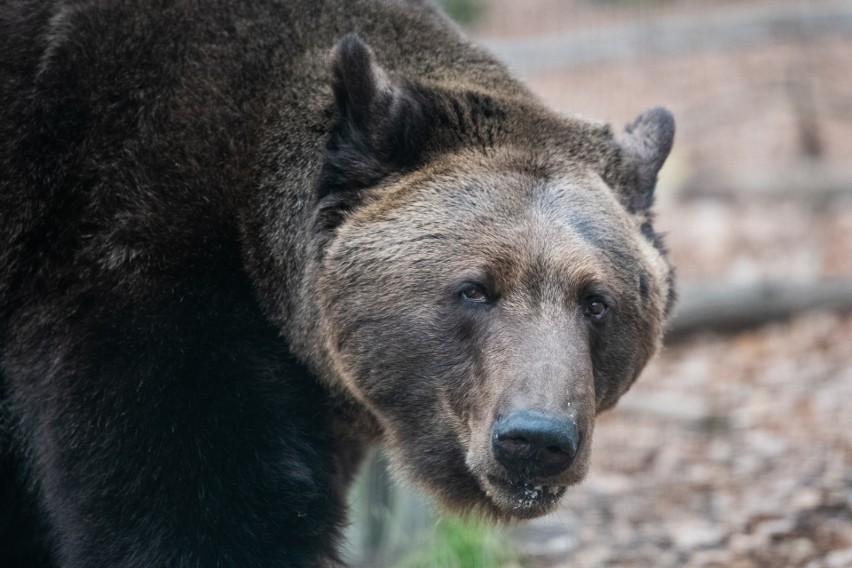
<point x="535" y="444"/>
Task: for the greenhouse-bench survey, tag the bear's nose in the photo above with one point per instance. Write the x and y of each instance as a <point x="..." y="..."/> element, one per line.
<point x="534" y="443"/>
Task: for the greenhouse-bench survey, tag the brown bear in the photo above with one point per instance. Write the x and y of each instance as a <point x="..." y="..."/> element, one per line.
<point x="245" y="241"/>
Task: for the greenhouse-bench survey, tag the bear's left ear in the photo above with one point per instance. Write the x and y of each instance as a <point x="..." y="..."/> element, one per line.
<point x="646" y="143"/>
<point x="381" y="129"/>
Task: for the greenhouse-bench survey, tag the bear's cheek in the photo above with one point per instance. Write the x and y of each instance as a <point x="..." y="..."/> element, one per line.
<point x="618" y="358"/>
<point x="400" y="363"/>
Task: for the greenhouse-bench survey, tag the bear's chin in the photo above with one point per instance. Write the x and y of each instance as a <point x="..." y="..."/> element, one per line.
<point x="501" y="501"/>
<point x="491" y="498"/>
<point x="521" y="500"/>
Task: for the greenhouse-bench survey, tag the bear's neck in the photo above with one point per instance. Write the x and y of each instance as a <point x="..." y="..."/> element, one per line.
<point x="355" y="432"/>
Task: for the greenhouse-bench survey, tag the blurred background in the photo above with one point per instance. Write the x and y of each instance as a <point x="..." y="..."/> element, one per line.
<point x="734" y="449"/>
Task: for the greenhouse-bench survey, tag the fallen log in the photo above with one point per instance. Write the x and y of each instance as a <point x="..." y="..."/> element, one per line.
<point x="724" y="308"/>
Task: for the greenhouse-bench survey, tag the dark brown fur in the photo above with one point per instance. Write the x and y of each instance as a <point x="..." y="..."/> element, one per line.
<point x="236" y="239"/>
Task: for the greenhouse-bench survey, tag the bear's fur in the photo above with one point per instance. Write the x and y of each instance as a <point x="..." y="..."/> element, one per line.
<point x="243" y="241"/>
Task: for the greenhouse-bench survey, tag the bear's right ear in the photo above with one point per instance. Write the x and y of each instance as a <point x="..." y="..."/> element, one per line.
<point x="646" y="143"/>
<point x="381" y="129"/>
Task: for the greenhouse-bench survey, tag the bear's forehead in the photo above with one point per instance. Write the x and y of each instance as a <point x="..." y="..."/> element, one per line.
<point x="521" y="229"/>
<point x="531" y="215"/>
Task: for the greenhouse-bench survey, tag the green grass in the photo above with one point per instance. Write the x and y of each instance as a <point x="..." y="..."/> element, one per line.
<point x="464" y="12"/>
<point x="462" y="544"/>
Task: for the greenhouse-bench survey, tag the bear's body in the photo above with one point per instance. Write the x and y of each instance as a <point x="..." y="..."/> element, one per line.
<point x="239" y="246"/>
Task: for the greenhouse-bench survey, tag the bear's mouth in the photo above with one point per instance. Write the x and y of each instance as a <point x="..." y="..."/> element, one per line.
<point x="523" y="499"/>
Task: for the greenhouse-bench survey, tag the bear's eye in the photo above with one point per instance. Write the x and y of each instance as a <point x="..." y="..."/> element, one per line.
<point x="596" y="307"/>
<point x="474" y="293"/>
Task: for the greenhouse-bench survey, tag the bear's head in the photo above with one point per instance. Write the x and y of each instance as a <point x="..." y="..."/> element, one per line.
<point x="489" y="278"/>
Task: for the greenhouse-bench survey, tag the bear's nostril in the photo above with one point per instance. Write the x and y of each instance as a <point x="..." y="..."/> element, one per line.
<point x="515" y="447"/>
<point x="535" y="443"/>
<point x="518" y="441"/>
